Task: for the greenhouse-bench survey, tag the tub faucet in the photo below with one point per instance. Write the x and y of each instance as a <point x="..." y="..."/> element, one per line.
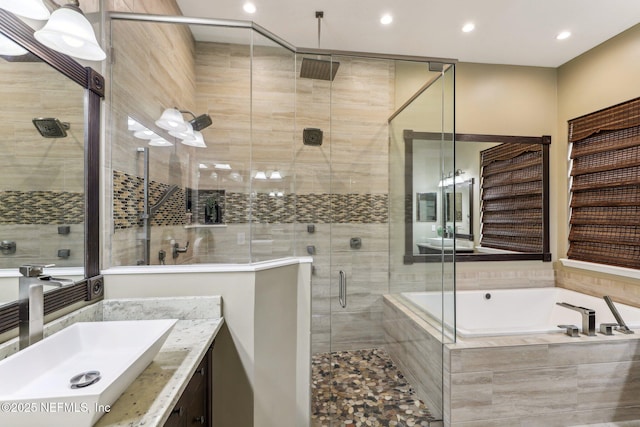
<point x="622" y="327"/>
<point x="31" y="302"/>
<point x="588" y="317"/>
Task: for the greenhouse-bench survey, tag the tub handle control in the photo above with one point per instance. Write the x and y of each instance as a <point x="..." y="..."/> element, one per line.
<point x="607" y="328"/>
<point x="343" y="289"/>
<point x="571" y="330"/>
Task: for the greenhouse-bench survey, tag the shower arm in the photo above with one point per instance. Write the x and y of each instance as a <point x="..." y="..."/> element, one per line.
<point x="319" y="16"/>
<point x="186" y="112"/>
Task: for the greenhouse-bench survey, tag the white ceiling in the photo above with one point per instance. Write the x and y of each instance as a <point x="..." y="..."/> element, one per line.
<point x="518" y="32"/>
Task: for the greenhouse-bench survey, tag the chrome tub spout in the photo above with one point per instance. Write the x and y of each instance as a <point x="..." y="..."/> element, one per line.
<point x="588" y="317"/>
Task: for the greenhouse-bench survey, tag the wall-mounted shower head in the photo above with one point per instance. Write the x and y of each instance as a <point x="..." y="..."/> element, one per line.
<point x="199" y="122"/>
<point x="51" y="127"/>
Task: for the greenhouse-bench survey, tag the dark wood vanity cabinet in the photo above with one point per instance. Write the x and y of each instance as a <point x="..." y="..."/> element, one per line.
<point x="194" y="406"/>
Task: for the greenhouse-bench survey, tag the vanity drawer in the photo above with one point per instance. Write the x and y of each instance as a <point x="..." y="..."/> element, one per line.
<point x="194" y="406"/>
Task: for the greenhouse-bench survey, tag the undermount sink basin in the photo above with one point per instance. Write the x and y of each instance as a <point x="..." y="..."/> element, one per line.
<point x="100" y="359"/>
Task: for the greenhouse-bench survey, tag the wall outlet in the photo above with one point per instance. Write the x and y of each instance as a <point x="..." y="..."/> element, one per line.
<point x="241" y="238"/>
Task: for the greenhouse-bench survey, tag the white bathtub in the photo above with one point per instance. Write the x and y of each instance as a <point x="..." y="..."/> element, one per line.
<point x="516" y="311"/>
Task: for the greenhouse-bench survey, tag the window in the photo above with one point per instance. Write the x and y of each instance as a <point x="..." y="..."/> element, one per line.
<point x="605" y="186"/>
<point x="512" y="202"/>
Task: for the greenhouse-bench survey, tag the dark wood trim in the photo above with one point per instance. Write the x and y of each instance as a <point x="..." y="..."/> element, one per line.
<point x="473" y="137"/>
<point x="546" y="244"/>
<point x="409" y="256"/>
<point x="92" y="184"/>
<point x="89" y="289"/>
<point x="408" y="196"/>
<point x="464" y="257"/>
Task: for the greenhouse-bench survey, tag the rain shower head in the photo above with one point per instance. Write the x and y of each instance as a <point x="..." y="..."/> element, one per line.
<point x="201" y="122"/>
<point x="51" y="127"/>
<point x="318" y="69"/>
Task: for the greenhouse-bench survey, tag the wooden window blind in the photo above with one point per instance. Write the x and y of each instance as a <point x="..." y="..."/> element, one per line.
<point x="605" y="186"/>
<point x="511" y="189"/>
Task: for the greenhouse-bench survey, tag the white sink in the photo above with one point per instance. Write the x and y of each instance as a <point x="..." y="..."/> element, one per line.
<point x="35" y="389"/>
<point x="440" y="241"/>
<point x="448" y="242"/>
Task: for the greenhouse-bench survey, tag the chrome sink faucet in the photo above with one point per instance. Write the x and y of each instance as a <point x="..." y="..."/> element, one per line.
<point x="31" y="302"/>
<point x="588" y="318"/>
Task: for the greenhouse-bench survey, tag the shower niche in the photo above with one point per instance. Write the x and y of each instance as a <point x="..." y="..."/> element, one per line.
<point x="206" y="207"/>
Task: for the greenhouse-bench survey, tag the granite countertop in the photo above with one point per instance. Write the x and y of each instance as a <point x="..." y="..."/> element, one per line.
<point x="150" y="399"/>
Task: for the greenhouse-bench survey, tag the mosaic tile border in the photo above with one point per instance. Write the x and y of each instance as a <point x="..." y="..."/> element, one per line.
<point x="242" y="208"/>
<point x="128" y="202"/>
<point x="41" y="207"/>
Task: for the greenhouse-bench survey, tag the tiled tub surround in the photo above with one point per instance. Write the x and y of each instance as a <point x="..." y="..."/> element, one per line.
<point x="150" y="398"/>
<point x="518" y="380"/>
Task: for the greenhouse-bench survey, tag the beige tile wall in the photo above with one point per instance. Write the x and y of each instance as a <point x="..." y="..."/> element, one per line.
<point x="417" y="354"/>
<point x="39" y="168"/>
<point x="620" y="289"/>
<point x="152" y="68"/>
<point x="352" y="111"/>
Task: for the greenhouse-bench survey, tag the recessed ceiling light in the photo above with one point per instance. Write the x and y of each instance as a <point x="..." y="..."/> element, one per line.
<point x="386" y="19"/>
<point x="563" y="35"/>
<point x="468" y="27"/>
<point x="249" y="7"/>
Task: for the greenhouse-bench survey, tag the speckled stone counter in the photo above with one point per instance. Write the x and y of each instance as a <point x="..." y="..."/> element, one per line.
<point x="148" y="401"/>
<point x="150" y="398"/>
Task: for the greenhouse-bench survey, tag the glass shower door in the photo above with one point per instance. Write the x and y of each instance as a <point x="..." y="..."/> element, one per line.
<point x="422" y="231"/>
<point x="357" y="376"/>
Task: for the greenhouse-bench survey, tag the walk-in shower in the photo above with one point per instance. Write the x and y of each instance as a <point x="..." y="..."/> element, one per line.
<point x="298" y="166"/>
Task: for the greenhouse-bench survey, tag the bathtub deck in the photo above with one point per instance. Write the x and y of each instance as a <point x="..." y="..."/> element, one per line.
<point x="526" y="380"/>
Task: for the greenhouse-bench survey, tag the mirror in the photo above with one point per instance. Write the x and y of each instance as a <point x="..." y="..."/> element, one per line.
<point x="50" y="170"/>
<point x="453" y="207"/>
<point x="504" y="217"/>
<point x="426" y="207"/>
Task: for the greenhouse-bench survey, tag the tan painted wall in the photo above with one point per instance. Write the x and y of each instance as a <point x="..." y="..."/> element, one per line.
<point x="503" y="100"/>
<point x="508" y="100"/>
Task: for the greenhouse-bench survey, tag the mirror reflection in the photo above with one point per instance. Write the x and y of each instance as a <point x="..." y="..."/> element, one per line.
<point x="491" y="206"/>
<point x="426" y="207"/>
<point x="41" y="170"/>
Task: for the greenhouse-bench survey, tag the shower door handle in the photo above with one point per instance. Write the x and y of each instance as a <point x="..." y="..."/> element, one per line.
<point x="343" y="289"/>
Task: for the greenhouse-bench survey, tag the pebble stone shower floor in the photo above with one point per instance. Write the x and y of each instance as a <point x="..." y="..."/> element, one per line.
<point x="369" y="390"/>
